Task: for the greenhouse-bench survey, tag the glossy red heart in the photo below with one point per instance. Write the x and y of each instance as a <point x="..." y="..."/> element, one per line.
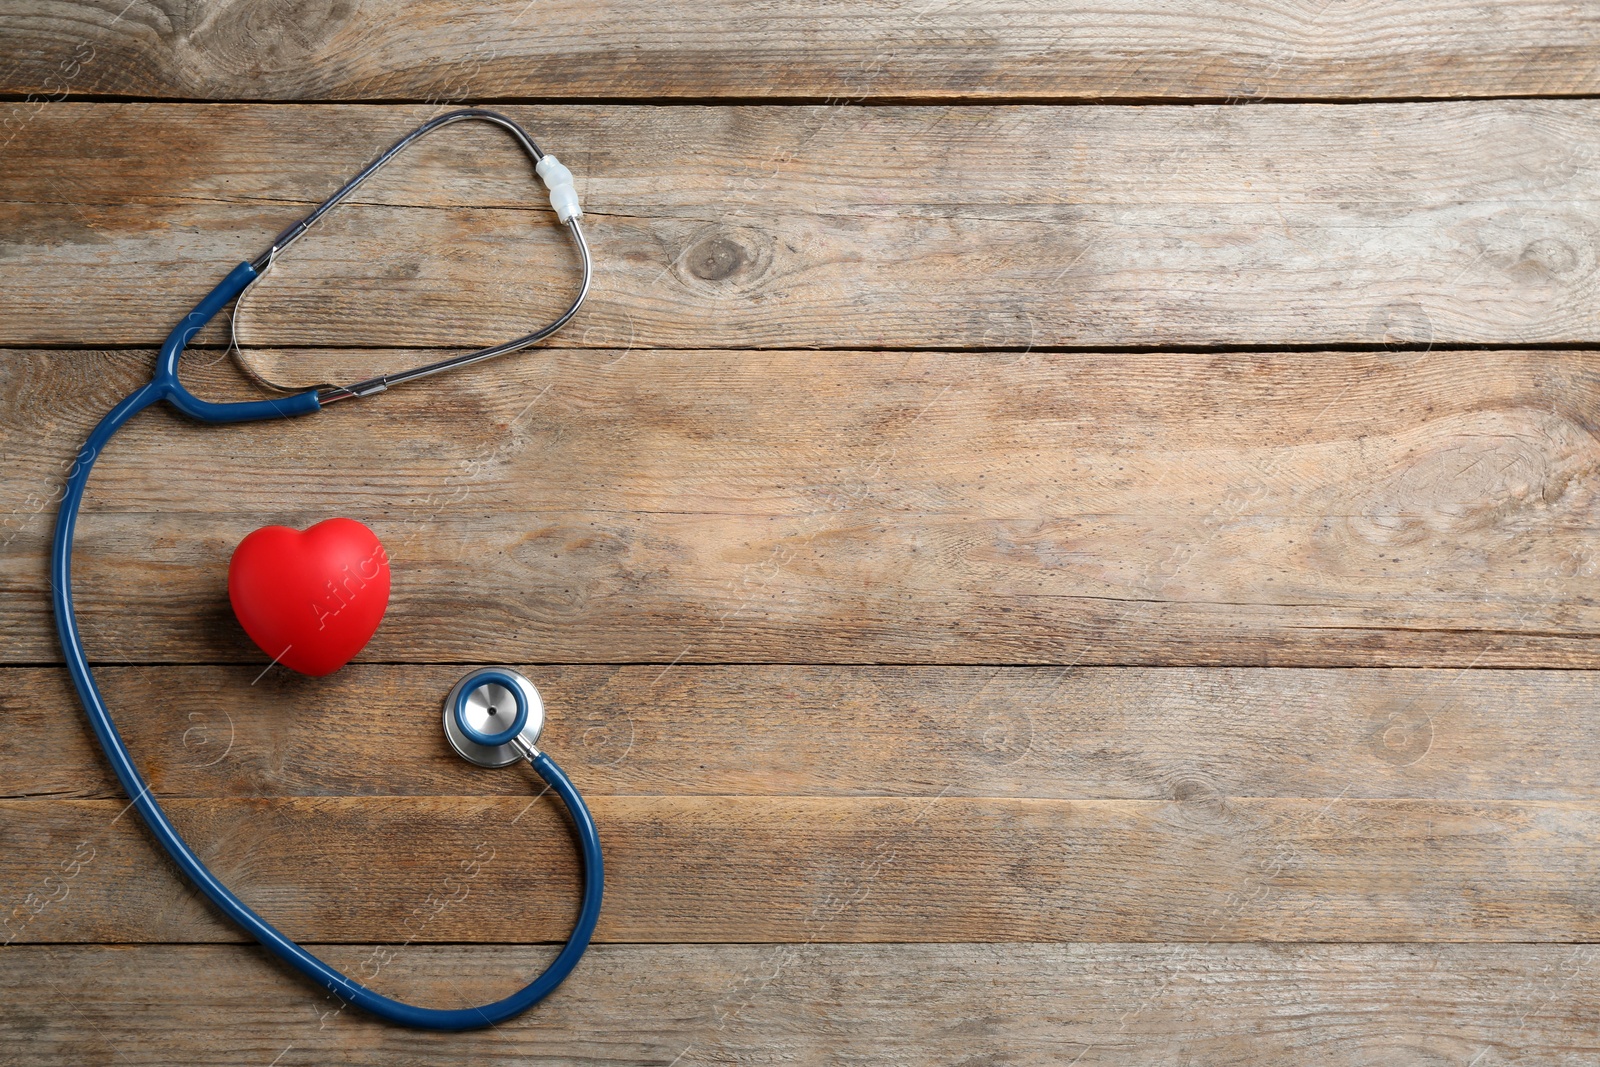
<point x="310" y="599"/>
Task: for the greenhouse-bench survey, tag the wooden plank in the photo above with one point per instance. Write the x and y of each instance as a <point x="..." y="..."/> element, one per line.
<point x="1089" y="733"/>
<point x="784" y="227"/>
<point x="1249" y="1005"/>
<point x="710" y="869"/>
<point x="783" y="48"/>
<point x="1340" y="508"/>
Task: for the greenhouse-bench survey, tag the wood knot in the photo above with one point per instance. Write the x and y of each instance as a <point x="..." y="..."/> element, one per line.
<point x="1484" y="470"/>
<point x="1546" y="254"/>
<point x="268" y="36"/>
<point x="715" y="258"/>
<point x="726" y="261"/>
<point x="1551" y="256"/>
<point x="1198" y="802"/>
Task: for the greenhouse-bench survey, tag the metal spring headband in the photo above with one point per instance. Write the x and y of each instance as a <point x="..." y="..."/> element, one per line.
<point x="563" y="198"/>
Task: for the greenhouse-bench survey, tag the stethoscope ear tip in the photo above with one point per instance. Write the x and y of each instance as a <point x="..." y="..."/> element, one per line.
<point x="493" y="717"/>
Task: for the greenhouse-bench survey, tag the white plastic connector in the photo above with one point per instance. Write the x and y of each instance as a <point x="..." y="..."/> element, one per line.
<point x="558" y="179"/>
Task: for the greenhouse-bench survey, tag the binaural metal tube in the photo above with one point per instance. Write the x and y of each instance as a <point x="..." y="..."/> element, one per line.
<point x="327" y="394"/>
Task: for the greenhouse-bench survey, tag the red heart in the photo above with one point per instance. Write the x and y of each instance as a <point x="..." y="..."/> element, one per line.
<point x="311" y="600"/>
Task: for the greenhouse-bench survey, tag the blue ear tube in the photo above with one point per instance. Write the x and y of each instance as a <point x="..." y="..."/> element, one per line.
<point x="493" y="717"/>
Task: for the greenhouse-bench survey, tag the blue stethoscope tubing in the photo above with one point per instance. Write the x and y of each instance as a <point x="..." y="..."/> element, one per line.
<point x="164" y="385"/>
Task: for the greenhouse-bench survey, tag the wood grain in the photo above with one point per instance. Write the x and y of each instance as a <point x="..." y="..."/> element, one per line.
<point x="770" y="592"/>
<point x="783" y="48"/>
<point x="1089" y="733"/>
<point x="948" y="868"/>
<point x="1334" y="508"/>
<point x="1251" y="1005"/>
<point x="782" y="227"/>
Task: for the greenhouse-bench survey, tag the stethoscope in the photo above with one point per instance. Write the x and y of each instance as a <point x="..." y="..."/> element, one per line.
<point x="492" y="717"/>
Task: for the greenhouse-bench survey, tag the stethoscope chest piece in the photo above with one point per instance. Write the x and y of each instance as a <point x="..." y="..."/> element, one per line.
<point x="493" y="717"/>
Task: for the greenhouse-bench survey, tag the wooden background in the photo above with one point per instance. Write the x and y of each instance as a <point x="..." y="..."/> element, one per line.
<point x="1065" y="534"/>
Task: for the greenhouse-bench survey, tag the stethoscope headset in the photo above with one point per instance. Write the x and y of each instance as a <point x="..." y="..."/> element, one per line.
<point x="492" y="717"/>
